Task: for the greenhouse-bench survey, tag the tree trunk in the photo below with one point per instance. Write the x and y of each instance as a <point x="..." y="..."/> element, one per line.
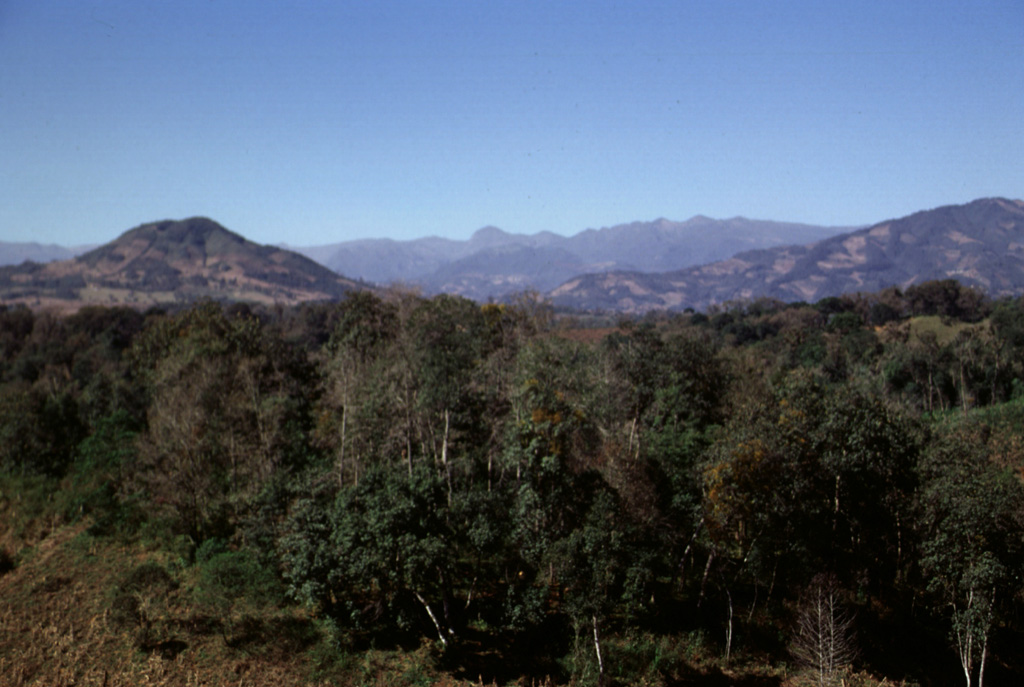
<point x="964" y="637"/>
<point x="753" y="603"/>
<point x="341" y="451"/>
<point x="835" y="513"/>
<point x="931" y="386"/>
<point x="728" y="628"/>
<point x="707" y="569"/>
<point x="981" y="667"/>
<point x="407" y="391"/>
<point x="681" y="571"/>
<point x="490" y="469"/>
<point x="597" y="650"/>
<point x="635" y="435"/>
<point x="899" y="548"/>
<point x="984" y="648"/>
<point x="444" y="455"/>
<point x="963" y="390"/>
<point x="433" y="618"/>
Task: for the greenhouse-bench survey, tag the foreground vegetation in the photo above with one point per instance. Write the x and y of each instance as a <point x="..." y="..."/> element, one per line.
<point x="399" y="490"/>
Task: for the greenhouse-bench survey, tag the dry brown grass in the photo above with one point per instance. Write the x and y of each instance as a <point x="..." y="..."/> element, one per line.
<point x="56" y="630"/>
<point x="59" y="627"/>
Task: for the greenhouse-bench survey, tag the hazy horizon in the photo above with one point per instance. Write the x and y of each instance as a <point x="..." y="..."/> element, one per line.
<point x="314" y="123"/>
<point x="284" y="243"/>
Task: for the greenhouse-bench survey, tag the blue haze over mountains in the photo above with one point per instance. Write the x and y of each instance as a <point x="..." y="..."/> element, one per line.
<point x="494" y="263"/>
<point x="979" y="244"/>
<point x="16" y="253"/>
<point x="659" y="265"/>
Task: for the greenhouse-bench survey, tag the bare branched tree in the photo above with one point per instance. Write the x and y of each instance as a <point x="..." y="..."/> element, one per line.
<point x="824" y="639"/>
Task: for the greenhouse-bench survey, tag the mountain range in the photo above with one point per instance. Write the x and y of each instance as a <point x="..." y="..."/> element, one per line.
<point x="15" y="253"/>
<point x="660" y="265"/>
<point x="493" y="263"/>
<point x="980" y="244"/>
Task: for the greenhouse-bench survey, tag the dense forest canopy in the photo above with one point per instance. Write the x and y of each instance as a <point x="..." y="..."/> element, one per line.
<point x="537" y="499"/>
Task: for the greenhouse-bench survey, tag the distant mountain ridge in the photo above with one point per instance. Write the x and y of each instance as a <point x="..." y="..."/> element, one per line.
<point x="174" y="261"/>
<point x="494" y="263"/>
<point x="15" y="253"/>
<point x="980" y="244"/>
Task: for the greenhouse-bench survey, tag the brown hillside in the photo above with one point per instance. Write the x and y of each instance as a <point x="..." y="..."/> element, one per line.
<point x="169" y="262"/>
<point x="60" y="625"/>
<point x="980" y="244"/>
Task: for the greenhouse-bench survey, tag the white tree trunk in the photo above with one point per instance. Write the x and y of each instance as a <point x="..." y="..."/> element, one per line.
<point x="433" y="618"/>
<point x="981" y="668"/>
<point x="341" y="451"/>
<point x="444" y="454"/>
<point x="728" y="628"/>
<point x="963" y="638"/>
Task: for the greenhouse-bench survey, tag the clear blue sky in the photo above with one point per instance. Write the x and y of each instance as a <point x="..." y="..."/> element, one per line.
<point x="318" y="122"/>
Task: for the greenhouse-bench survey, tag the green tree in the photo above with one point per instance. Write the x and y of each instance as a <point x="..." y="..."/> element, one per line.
<point x="948" y="298"/>
<point x="635" y="362"/>
<point x="381" y="553"/>
<point x="1007" y="326"/>
<point x="600" y="566"/>
<point x="227" y="408"/>
<point x="812" y="480"/>
<point x="99" y="475"/>
<point x="689" y="401"/>
<point x="450" y="335"/>
<point x="972" y="364"/>
<point x="16" y="324"/>
<point x="867" y="454"/>
<point x="39" y="427"/>
<point x="972" y="541"/>
<point x="363" y="338"/>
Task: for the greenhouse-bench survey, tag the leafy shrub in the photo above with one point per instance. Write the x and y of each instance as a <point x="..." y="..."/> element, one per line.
<point x="213" y="546"/>
<point x="646" y="659"/>
<point x="148" y="577"/>
<point x="277" y="636"/>
<point x="844" y="322"/>
<point x="126" y="607"/>
<point x="125" y="611"/>
<point x="229" y="576"/>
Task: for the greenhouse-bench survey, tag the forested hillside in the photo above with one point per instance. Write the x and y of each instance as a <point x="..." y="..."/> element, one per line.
<point x="400" y="490"/>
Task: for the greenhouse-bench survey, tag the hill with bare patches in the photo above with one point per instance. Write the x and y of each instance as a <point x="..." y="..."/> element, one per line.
<point x="173" y="261"/>
<point x="980" y="244"/>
